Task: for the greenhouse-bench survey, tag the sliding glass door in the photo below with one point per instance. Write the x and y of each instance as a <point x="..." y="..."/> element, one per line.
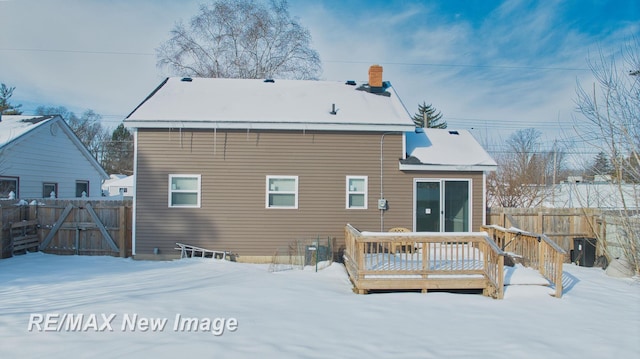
<point x="442" y="205"/>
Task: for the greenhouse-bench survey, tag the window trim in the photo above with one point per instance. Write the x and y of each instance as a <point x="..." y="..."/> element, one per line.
<point x="55" y="189"/>
<point x="83" y="182"/>
<point x="198" y="191"/>
<point x="349" y="192"/>
<point x="17" y="180"/>
<point x="268" y="192"/>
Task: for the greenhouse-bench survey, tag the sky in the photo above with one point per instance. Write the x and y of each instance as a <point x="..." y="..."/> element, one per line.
<point x="492" y="67"/>
<point x="298" y="313"/>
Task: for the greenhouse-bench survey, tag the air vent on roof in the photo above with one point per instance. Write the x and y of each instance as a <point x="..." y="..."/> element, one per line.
<point x="454" y="133"/>
<point x="333" y="109"/>
<point x="350" y="83"/>
<point x="270" y="81"/>
<point x="186" y="79"/>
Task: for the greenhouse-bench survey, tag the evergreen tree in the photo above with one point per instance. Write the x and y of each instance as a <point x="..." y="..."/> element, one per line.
<point x="601" y="165"/>
<point x="118" y="157"/>
<point x="6" y="108"/>
<point x="428" y="117"/>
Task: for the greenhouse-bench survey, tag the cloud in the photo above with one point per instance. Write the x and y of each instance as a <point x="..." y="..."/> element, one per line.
<point x="499" y="66"/>
<point x="84" y="54"/>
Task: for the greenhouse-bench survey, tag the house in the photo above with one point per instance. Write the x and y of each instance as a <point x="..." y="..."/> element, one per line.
<point x="597" y="194"/>
<point x="250" y="166"/>
<point x="40" y="156"/>
<point x="118" y="186"/>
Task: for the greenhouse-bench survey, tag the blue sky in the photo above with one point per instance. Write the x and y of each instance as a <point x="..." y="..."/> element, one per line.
<point x="489" y="66"/>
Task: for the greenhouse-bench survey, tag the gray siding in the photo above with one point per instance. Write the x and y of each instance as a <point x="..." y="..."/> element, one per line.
<point x="234" y="166"/>
<point x="48" y="154"/>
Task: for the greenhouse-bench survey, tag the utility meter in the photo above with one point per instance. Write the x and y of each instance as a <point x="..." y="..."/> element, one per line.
<point x="382" y="204"/>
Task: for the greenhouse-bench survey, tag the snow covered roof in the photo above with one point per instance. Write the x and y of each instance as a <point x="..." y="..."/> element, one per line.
<point x="13" y="127"/>
<point x="113" y="178"/>
<point x="445" y="150"/>
<point x="122" y="182"/>
<point x="594" y="195"/>
<point x="275" y="105"/>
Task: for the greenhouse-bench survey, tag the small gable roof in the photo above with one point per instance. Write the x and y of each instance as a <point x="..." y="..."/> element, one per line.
<point x="274" y="105"/>
<point x="445" y="150"/>
<point x="14" y="128"/>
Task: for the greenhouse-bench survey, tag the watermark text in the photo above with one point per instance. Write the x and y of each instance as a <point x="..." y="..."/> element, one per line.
<point x="128" y="322"/>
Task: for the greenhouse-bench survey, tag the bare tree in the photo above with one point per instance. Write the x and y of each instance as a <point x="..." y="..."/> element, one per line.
<point x="241" y="39"/>
<point x="87" y="127"/>
<point x="524" y="171"/>
<point x="610" y="122"/>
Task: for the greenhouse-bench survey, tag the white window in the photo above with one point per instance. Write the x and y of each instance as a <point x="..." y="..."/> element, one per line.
<point x="282" y="192"/>
<point x="184" y="191"/>
<point x="356" y="192"/>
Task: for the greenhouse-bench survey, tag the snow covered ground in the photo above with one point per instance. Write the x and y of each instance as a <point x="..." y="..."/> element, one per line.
<point x="295" y="314"/>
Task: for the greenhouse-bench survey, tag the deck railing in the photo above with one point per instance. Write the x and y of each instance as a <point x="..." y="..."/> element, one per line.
<point x="383" y="260"/>
<point x="536" y="250"/>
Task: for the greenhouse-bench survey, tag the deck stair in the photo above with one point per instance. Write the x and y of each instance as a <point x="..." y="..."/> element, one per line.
<point x="191" y="251"/>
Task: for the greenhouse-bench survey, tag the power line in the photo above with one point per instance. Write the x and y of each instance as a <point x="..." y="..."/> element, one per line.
<point x="80" y="52"/>
<point x="508" y="67"/>
<point x="426" y="64"/>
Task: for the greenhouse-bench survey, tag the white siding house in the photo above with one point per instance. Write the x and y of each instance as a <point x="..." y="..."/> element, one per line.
<point x="41" y="155"/>
<point x="118" y="186"/>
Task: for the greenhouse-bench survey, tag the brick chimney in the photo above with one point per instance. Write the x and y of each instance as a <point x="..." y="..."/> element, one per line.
<point x="375" y="76"/>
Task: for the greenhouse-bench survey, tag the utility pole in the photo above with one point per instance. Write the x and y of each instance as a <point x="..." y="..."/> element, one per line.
<point x="555" y="164"/>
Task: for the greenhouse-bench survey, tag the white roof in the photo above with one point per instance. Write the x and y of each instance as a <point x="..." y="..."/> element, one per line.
<point x="113" y="178"/>
<point x="446" y="150"/>
<point x="594" y="195"/>
<point x="122" y="182"/>
<point x="281" y="105"/>
<point x="12" y="127"/>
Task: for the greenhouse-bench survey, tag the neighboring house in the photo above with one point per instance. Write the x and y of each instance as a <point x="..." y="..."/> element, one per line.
<point x="40" y="156"/>
<point x="250" y="166"/>
<point x="118" y="186"/>
<point x="596" y="194"/>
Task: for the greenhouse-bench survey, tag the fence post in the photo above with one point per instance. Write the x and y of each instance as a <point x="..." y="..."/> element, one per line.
<point x="1" y="234"/>
<point x="540" y="224"/>
<point x="33" y="212"/>
<point x="122" y="232"/>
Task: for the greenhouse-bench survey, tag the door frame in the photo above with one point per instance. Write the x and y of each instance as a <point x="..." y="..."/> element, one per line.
<point x="442" y="182"/>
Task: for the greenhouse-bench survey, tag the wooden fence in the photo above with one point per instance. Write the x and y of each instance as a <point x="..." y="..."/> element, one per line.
<point x="78" y="226"/>
<point x="561" y="225"/>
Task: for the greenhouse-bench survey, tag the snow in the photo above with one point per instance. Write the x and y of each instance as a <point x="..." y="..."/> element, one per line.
<point x="610" y="196"/>
<point x="255" y="104"/>
<point x="14" y="126"/>
<point x="302" y="313"/>
<point x="446" y="147"/>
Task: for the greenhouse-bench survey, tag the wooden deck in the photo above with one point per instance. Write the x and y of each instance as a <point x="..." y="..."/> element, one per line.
<point x="427" y="261"/>
<point x="424" y="261"/>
